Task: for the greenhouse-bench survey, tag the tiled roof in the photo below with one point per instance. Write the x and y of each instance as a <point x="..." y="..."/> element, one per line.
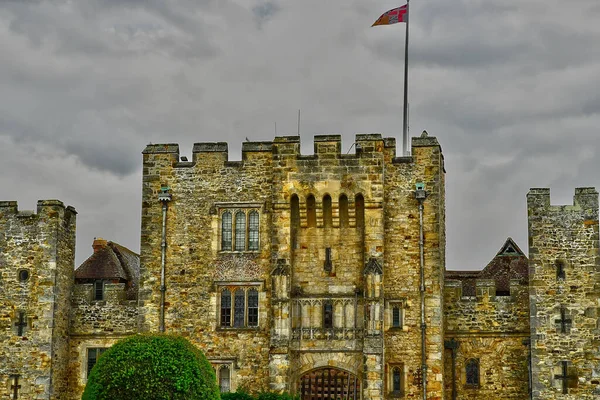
<point x="509" y="263"/>
<point x="111" y="261"/>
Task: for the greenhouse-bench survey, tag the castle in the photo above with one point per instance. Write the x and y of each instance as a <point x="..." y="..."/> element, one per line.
<point x="323" y="275"/>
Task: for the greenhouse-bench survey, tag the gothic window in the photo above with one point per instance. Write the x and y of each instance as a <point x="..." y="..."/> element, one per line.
<point x="311" y="211"/>
<point x="23" y="275"/>
<point x="359" y="204"/>
<point x="344" y="211"/>
<point x="560" y="270"/>
<point x="395" y="381"/>
<point x="253" y="230"/>
<point x="239" y="307"/>
<point x="93" y="354"/>
<point x="327" y="315"/>
<point x="240" y="231"/>
<point x="252" y="307"/>
<point x="396" y="317"/>
<point x="226" y="231"/>
<point x="99" y="290"/>
<point x="225" y="308"/>
<point x="472" y="372"/>
<point x="224" y="379"/>
<point x="327" y="213"/>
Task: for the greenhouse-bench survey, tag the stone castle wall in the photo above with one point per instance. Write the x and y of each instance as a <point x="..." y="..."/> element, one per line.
<point x="288" y="267"/>
<point x="493" y="330"/>
<point x="564" y="274"/>
<point x="42" y="244"/>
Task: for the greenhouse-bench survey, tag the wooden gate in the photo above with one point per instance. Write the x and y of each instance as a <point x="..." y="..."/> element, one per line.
<point x="329" y="383"/>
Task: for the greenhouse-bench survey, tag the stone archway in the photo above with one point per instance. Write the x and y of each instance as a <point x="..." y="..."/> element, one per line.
<point x="329" y="383"/>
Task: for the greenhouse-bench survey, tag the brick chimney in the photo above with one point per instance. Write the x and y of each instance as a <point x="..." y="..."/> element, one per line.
<point x="99" y="244"/>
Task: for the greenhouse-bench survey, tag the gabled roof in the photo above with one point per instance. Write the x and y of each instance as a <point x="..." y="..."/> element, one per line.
<point x="110" y="261"/>
<point x="509" y="263"/>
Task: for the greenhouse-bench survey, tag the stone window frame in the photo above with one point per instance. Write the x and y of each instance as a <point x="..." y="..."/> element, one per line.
<point x="389" y="314"/>
<point x="20" y="277"/>
<point x="246" y="287"/>
<point x="231" y="365"/>
<point x="248" y="209"/>
<point x="392" y="368"/>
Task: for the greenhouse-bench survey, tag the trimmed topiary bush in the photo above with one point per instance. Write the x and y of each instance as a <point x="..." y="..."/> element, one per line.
<point x="242" y="395"/>
<point x="152" y="367"/>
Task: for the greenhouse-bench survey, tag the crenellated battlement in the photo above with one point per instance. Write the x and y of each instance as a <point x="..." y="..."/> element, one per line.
<point x="482" y="289"/>
<point x="47" y="208"/>
<point x="584" y="200"/>
<point x="326" y="147"/>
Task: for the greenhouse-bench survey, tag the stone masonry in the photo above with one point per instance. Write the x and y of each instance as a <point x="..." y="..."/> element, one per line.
<point x="36" y="270"/>
<point x="564" y="295"/>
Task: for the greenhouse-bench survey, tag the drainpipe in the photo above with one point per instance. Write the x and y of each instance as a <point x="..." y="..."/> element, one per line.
<point x="164" y="197"/>
<point x="420" y="195"/>
<point x="452" y="345"/>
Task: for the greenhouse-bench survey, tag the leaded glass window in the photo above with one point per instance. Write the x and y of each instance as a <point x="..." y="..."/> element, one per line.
<point x="225" y="379"/>
<point x="92" y="357"/>
<point x="396" y="380"/>
<point x="253" y="307"/>
<point x="226" y="308"/>
<point x="253" y="230"/>
<point x="472" y="371"/>
<point x="396" y="317"/>
<point x="226" y="231"/>
<point x="239" y="308"/>
<point x="240" y="231"/>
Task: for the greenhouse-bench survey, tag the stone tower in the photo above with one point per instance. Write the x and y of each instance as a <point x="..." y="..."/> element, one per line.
<point x="564" y="292"/>
<point x="300" y="272"/>
<point x="36" y="265"/>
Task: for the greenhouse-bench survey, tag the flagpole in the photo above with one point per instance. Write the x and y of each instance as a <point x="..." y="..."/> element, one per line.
<point x="404" y="119"/>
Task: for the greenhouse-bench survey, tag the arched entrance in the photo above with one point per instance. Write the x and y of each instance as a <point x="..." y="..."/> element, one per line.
<point x="329" y="383"/>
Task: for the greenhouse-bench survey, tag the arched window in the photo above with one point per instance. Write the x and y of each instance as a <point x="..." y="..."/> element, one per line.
<point x="225" y="379"/>
<point x="239" y="308"/>
<point x="295" y="211"/>
<point x="359" y="204"/>
<point x="560" y="270"/>
<point x="226" y="308"/>
<point x="253" y="230"/>
<point x="327" y="215"/>
<point x="343" y="211"/>
<point x="226" y="231"/>
<point x="240" y="231"/>
<point x="472" y="371"/>
<point x="396" y="380"/>
<point x="311" y="211"/>
<point x="252" y="307"/>
<point x="396" y="317"/>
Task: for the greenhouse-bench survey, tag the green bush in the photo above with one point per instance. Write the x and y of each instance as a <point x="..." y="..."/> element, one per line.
<point x="152" y="367"/>
<point x="238" y="395"/>
<point x="242" y="395"/>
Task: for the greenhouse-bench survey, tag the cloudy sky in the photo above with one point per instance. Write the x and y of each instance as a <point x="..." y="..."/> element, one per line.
<point x="510" y="88"/>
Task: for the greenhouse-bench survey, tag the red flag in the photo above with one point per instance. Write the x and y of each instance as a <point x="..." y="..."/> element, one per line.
<point x="393" y="16"/>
